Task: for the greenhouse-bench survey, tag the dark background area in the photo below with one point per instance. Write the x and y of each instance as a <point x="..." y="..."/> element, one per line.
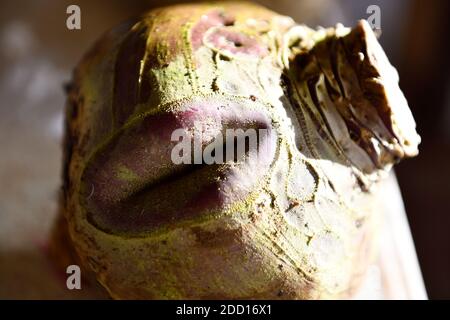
<point x="38" y="53"/>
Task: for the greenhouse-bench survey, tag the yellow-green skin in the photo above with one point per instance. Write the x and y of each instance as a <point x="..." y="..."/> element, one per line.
<point x="296" y="222"/>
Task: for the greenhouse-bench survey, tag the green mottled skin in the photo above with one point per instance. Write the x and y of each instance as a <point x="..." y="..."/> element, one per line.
<point x="299" y="222"/>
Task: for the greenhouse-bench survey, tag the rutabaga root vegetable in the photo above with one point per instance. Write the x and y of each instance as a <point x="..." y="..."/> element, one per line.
<point x="293" y="218"/>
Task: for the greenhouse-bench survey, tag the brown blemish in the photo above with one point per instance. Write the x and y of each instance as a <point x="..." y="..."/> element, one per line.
<point x="292" y="205"/>
<point x="217" y="238"/>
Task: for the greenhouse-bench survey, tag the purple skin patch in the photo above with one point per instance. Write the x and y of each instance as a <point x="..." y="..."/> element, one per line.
<point x="235" y="43"/>
<point x="223" y="37"/>
<point x="144" y="200"/>
<point x="207" y="21"/>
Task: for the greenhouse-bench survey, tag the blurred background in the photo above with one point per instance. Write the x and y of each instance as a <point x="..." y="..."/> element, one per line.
<point x="38" y="52"/>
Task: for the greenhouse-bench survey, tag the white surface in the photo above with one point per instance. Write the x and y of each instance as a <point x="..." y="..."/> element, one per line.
<point x="401" y="275"/>
<point x="396" y="275"/>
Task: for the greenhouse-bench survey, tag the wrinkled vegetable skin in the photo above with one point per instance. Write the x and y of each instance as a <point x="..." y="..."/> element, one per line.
<point x="296" y="219"/>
